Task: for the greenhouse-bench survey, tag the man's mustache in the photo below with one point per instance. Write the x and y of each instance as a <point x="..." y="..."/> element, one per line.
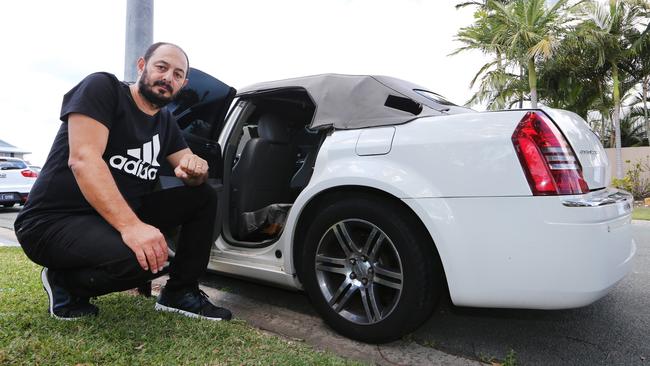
<point x="163" y="84"/>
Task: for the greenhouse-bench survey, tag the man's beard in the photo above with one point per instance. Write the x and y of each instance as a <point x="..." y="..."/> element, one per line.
<point x="150" y="95"/>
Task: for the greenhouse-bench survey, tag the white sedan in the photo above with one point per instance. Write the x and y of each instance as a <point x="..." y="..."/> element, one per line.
<point x="375" y="195"/>
<point x="16" y="180"/>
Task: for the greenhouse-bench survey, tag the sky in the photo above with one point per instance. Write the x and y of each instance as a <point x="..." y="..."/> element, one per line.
<point x="49" y="46"/>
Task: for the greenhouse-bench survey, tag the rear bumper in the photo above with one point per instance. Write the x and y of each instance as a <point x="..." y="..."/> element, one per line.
<point x="15" y="193"/>
<point x="531" y="252"/>
<point x="602" y="197"/>
<point x="22" y="188"/>
<point x="13" y="197"/>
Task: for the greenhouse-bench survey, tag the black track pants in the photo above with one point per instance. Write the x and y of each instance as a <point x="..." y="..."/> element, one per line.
<point x="93" y="260"/>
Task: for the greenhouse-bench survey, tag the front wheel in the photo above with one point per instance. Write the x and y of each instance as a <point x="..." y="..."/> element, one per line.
<point x="370" y="269"/>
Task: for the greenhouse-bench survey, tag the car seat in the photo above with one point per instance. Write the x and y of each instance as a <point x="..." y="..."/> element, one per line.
<point x="263" y="173"/>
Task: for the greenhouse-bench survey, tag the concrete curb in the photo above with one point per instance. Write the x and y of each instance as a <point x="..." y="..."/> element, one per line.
<point x="306" y="326"/>
<point x="641" y="222"/>
<point x="8" y="238"/>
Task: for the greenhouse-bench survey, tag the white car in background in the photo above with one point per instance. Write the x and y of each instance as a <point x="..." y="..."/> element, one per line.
<point x="35" y="168"/>
<point x="16" y="180"/>
<point x="375" y="195"/>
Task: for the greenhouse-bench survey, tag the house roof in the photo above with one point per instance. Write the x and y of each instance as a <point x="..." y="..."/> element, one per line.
<point x="7" y="147"/>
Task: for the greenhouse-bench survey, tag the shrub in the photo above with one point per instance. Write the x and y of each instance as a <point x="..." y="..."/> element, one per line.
<point x="634" y="181"/>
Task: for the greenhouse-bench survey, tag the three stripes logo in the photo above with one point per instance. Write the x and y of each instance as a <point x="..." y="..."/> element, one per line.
<point x="147" y="159"/>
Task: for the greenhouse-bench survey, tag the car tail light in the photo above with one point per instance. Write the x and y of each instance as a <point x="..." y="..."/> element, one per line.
<point x="29" y="173"/>
<point x="549" y="162"/>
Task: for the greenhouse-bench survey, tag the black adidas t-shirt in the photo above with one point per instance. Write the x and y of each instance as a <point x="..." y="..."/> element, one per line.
<point x="137" y="145"/>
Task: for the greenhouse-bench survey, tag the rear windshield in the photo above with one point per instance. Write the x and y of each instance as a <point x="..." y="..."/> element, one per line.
<point x="433" y="96"/>
<point x="12" y="164"/>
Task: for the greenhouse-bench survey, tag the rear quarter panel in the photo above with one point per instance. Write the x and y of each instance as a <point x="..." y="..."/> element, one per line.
<point x="468" y="155"/>
<point x="499" y="245"/>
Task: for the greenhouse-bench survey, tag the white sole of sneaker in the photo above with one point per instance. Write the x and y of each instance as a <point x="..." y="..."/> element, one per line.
<point x="160" y="307"/>
<point x="50" y="297"/>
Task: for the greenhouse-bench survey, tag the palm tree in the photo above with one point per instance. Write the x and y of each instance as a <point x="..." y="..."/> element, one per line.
<point x="570" y="80"/>
<point x="645" y="85"/>
<point x="639" y="64"/>
<point x="638" y="107"/>
<point x="498" y="89"/>
<point x="612" y="27"/>
<point x="517" y="33"/>
<point x="530" y="31"/>
<point x="632" y="130"/>
<point x="493" y="75"/>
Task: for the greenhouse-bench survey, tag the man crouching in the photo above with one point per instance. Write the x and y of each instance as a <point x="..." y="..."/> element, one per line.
<point x="93" y="218"/>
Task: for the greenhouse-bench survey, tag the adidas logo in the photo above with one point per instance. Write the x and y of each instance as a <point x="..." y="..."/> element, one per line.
<point x="147" y="159"/>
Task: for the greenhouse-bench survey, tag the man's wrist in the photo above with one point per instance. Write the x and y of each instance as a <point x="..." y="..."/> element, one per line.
<point x="124" y="225"/>
<point x="195" y="181"/>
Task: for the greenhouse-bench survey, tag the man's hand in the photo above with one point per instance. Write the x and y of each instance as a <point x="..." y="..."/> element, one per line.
<point x="148" y="244"/>
<point x="192" y="169"/>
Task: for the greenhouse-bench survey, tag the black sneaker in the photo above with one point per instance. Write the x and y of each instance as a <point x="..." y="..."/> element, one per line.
<point x="193" y="303"/>
<point x="62" y="305"/>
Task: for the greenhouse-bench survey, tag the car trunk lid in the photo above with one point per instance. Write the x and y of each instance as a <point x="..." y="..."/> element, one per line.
<point x="586" y="145"/>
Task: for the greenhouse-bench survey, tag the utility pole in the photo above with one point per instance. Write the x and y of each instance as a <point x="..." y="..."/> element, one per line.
<point x="139" y="35"/>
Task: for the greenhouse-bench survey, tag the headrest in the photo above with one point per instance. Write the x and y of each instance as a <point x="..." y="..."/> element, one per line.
<point x="270" y="127"/>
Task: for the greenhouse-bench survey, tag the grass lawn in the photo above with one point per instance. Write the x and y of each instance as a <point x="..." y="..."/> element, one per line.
<point x="127" y="331"/>
<point x="641" y="213"/>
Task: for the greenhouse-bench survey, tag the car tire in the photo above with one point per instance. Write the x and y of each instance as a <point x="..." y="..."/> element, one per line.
<point x="383" y="285"/>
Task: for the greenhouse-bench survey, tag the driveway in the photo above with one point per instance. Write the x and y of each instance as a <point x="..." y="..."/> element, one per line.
<point x="613" y="331"/>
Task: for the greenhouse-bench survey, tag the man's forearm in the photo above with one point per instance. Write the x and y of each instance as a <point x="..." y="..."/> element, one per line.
<point x="98" y="187"/>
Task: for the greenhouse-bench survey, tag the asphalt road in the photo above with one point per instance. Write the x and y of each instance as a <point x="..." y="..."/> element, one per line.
<point x="8" y="216"/>
<point x="613" y="331"/>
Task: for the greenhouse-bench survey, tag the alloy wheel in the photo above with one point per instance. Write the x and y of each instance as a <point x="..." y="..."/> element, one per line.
<point x="359" y="271"/>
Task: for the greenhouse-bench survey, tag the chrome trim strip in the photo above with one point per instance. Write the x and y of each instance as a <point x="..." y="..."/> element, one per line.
<point x="555" y="150"/>
<point x="562" y="166"/>
<point x="600" y="198"/>
<point x="560" y="158"/>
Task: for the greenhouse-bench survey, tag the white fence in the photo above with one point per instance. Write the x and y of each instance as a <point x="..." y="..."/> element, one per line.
<point x="631" y="155"/>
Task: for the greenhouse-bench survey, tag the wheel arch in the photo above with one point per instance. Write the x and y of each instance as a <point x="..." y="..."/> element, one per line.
<point x="341" y="192"/>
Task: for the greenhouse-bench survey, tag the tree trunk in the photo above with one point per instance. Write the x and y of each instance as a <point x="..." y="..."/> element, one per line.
<point x="645" y="82"/>
<point x="604" y="117"/>
<point x="617" y="125"/>
<point x="532" y="82"/>
<point x="612" y="136"/>
<point x="521" y="92"/>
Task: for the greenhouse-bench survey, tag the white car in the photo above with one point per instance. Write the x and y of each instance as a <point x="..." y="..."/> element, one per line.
<point x="375" y="195"/>
<point x="16" y="180"/>
<point x="35" y="168"/>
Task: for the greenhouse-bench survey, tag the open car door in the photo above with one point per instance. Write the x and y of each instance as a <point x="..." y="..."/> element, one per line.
<point x="200" y="109"/>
